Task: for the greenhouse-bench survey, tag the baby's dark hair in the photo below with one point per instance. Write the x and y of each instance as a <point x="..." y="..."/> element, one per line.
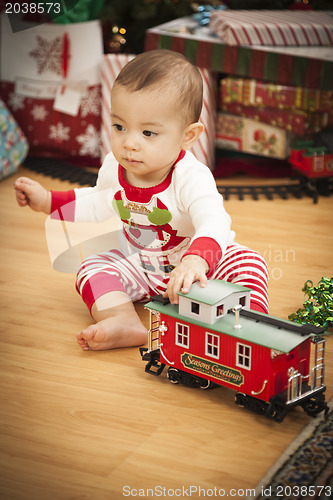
<point x="166" y="71"/>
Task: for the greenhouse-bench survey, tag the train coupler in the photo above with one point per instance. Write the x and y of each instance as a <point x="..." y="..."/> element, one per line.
<point x="154" y="366"/>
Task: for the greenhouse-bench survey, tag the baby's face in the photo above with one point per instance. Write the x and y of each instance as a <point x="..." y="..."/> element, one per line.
<point x="147" y="133"/>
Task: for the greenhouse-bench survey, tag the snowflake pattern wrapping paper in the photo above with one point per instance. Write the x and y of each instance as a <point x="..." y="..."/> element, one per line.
<point x="32" y="73"/>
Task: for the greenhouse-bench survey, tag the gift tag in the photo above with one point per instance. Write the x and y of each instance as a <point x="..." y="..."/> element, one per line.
<point x="67" y="100"/>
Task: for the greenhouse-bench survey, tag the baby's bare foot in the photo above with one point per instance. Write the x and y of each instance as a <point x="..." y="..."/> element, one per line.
<point x="113" y="332"/>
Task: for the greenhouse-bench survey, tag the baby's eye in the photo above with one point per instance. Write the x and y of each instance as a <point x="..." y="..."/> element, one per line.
<point x="149" y="133"/>
<point x="118" y="127"/>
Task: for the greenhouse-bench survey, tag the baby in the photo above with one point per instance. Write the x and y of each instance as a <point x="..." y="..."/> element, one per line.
<point x="174" y="225"/>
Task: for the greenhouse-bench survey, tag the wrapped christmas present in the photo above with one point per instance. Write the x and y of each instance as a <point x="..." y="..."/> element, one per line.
<point x="204" y="149"/>
<point x="13" y="144"/>
<point x="298" y="121"/>
<point x="111" y="66"/>
<point x="305" y="66"/>
<point x="273" y="27"/>
<point x="258" y="93"/>
<point x="250" y="136"/>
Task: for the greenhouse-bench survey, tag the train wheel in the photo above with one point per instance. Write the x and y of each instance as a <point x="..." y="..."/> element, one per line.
<point x="256" y="405"/>
<point x="173" y="375"/>
<point x="179" y="377"/>
<point x="315" y="405"/>
<point x="189" y="379"/>
<point x="253" y="404"/>
<point x="206" y="384"/>
<point x="276" y="411"/>
<point x="240" y="399"/>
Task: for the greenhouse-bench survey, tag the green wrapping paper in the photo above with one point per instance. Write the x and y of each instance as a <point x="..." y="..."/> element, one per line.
<point x="78" y="11"/>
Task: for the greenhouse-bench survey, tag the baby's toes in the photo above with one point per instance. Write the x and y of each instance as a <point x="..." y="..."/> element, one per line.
<point x="85" y="337"/>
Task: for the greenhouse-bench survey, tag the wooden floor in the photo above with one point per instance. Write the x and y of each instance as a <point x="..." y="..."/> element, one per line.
<point x="94" y="425"/>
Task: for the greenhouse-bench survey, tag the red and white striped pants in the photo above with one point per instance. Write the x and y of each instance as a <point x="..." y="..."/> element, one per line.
<point x="112" y="271"/>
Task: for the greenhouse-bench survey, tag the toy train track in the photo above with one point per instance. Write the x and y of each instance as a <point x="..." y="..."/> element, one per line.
<point x="299" y="188"/>
<point x="59" y="169"/>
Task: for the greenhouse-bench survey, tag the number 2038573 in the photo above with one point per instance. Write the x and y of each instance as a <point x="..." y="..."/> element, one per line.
<point x="303" y="491"/>
<point x="32" y="8"/>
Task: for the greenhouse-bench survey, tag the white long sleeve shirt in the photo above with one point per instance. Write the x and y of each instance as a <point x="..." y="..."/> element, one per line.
<point x="184" y="214"/>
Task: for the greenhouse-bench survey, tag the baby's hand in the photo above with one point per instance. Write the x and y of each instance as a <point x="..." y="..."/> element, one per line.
<point x="192" y="268"/>
<point x="31" y="193"/>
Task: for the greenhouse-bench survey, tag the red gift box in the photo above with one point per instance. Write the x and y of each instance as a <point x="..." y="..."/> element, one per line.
<point x="297" y="121"/>
<point x="251" y="92"/>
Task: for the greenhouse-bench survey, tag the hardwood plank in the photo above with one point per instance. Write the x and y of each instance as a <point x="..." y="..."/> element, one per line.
<point x="87" y="425"/>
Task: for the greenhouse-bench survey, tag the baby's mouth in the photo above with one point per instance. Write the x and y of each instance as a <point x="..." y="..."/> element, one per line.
<point x="132" y="161"/>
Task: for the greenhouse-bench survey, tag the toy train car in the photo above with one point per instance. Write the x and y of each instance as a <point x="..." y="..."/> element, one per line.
<point x="213" y="338"/>
<point x="311" y="161"/>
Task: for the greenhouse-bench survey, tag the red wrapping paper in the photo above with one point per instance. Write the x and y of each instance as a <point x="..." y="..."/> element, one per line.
<point x="297" y="121"/>
<point x="257" y="93"/>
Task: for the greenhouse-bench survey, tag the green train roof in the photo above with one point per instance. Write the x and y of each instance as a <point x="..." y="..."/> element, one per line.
<point x="253" y="330"/>
<point x="213" y="292"/>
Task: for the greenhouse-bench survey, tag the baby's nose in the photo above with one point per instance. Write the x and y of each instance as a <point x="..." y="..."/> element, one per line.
<point x="131" y="142"/>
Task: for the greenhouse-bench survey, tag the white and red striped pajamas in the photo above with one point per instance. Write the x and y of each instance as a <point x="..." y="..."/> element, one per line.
<point x="183" y="215"/>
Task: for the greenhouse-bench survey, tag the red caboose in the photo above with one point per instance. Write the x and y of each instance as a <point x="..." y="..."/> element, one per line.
<point x="212" y="337"/>
<point x="311" y="161"/>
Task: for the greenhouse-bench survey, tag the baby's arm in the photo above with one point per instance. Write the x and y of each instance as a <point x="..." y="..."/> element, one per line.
<point x="198" y="196"/>
<point x="192" y="268"/>
<point x="31" y="193"/>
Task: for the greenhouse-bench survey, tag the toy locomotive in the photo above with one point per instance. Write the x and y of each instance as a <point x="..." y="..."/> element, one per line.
<point x="311" y="161"/>
<point x="212" y="337"/>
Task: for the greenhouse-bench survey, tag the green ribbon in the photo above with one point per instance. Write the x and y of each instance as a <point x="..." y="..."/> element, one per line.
<point x="318" y="307"/>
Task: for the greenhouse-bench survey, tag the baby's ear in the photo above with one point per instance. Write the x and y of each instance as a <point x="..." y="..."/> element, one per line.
<point x="192" y="134"/>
